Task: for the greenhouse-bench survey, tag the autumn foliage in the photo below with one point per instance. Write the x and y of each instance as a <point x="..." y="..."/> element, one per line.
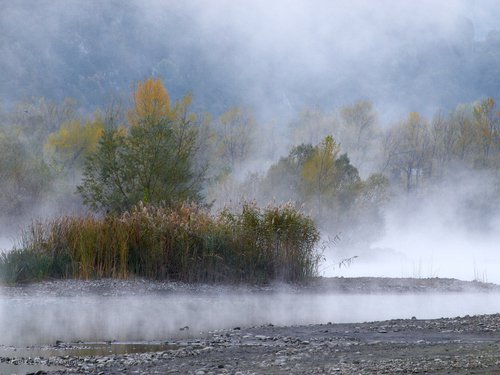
<point x="183" y="243"/>
<point x="151" y="104"/>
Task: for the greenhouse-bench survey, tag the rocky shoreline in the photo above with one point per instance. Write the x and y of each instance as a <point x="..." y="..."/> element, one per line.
<point x="131" y="287"/>
<point x="459" y="345"/>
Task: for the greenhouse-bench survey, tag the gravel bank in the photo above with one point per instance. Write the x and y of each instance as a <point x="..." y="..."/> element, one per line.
<point x="114" y="287"/>
<point x="465" y="345"/>
<point x="460" y="345"/>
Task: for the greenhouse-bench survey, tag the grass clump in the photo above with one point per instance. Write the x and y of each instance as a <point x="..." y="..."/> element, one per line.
<point x="183" y="243"/>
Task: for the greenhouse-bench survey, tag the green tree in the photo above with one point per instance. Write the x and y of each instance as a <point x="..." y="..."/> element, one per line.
<point x="284" y="179"/>
<point x="151" y="161"/>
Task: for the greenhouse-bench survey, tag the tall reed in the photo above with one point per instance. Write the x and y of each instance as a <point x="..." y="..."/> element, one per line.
<point x="185" y="243"/>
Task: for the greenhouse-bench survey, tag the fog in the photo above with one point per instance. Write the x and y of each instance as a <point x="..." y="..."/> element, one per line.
<point x="451" y="231"/>
<point x="43" y="320"/>
<point x="276" y="58"/>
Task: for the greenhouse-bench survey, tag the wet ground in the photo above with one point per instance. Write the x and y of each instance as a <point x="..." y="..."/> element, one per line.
<point x="467" y="345"/>
<point x="249" y="333"/>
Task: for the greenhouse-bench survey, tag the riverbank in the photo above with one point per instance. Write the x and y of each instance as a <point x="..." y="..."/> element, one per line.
<point x="466" y="345"/>
<point x="327" y="326"/>
<point x="140" y="286"/>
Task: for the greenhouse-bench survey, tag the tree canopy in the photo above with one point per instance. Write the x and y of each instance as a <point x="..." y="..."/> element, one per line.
<point x="151" y="160"/>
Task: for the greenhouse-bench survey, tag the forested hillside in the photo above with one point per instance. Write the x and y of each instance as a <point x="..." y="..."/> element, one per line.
<point x="256" y="55"/>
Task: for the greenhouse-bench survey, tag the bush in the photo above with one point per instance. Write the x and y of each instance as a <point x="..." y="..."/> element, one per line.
<point x="183" y="243"/>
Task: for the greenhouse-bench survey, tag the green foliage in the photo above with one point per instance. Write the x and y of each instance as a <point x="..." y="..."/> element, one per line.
<point x="152" y="162"/>
<point x="318" y="176"/>
<point x="319" y="173"/>
<point x="184" y="243"/>
<point x="21" y="266"/>
<point x="326" y="183"/>
<point x="285" y="176"/>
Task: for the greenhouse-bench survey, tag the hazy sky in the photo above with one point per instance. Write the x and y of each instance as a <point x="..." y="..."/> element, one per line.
<point x="274" y="56"/>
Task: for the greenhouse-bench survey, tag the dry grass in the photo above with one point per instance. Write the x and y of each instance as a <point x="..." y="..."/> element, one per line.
<point x="184" y="243"/>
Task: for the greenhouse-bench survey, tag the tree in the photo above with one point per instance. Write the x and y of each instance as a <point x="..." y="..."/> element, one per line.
<point x="151" y="104"/>
<point x="235" y="132"/>
<point x="443" y="136"/>
<point x="73" y="142"/>
<point x="152" y="161"/>
<point x="312" y="126"/>
<point x="358" y="131"/>
<point x="319" y="172"/>
<point x="466" y="133"/>
<point x="24" y="177"/>
<point x="284" y="179"/>
<point x="323" y="180"/>
<point x="410" y="150"/>
<point x="38" y="118"/>
<point x="487" y="121"/>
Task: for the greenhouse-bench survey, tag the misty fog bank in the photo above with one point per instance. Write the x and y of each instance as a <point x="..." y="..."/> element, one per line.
<point x="452" y="231"/>
<point x="275" y="57"/>
<point x="43" y="320"/>
<point x="267" y="78"/>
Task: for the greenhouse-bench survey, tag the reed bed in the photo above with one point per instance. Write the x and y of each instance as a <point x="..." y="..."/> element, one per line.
<point x="184" y="243"/>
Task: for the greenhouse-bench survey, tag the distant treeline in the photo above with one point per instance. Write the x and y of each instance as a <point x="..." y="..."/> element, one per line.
<point x="341" y="168"/>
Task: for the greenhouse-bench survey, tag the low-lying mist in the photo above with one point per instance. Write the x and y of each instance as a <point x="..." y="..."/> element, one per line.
<point x="27" y="320"/>
<point x="451" y="231"/>
<point x="371" y="90"/>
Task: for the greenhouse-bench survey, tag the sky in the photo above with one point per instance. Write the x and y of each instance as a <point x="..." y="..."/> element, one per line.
<point x="276" y="57"/>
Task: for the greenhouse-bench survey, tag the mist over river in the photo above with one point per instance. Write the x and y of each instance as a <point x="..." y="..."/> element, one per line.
<point x="40" y="317"/>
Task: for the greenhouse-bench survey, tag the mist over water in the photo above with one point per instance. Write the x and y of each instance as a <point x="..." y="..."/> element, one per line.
<point x="276" y="58"/>
<point x="43" y="320"/>
<point x="451" y="231"/>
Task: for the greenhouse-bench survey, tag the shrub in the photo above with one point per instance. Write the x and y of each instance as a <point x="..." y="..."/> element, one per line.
<point x="184" y="243"/>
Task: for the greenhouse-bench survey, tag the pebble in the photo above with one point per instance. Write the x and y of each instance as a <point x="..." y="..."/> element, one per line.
<point x="424" y="346"/>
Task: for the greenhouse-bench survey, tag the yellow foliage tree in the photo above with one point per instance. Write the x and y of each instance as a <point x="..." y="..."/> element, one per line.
<point x="153" y="161"/>
<point x="319" y="171"/>
<point x="74" y="141"/>
<point x="151" y="104"/>
<point x="487" y="120"/>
